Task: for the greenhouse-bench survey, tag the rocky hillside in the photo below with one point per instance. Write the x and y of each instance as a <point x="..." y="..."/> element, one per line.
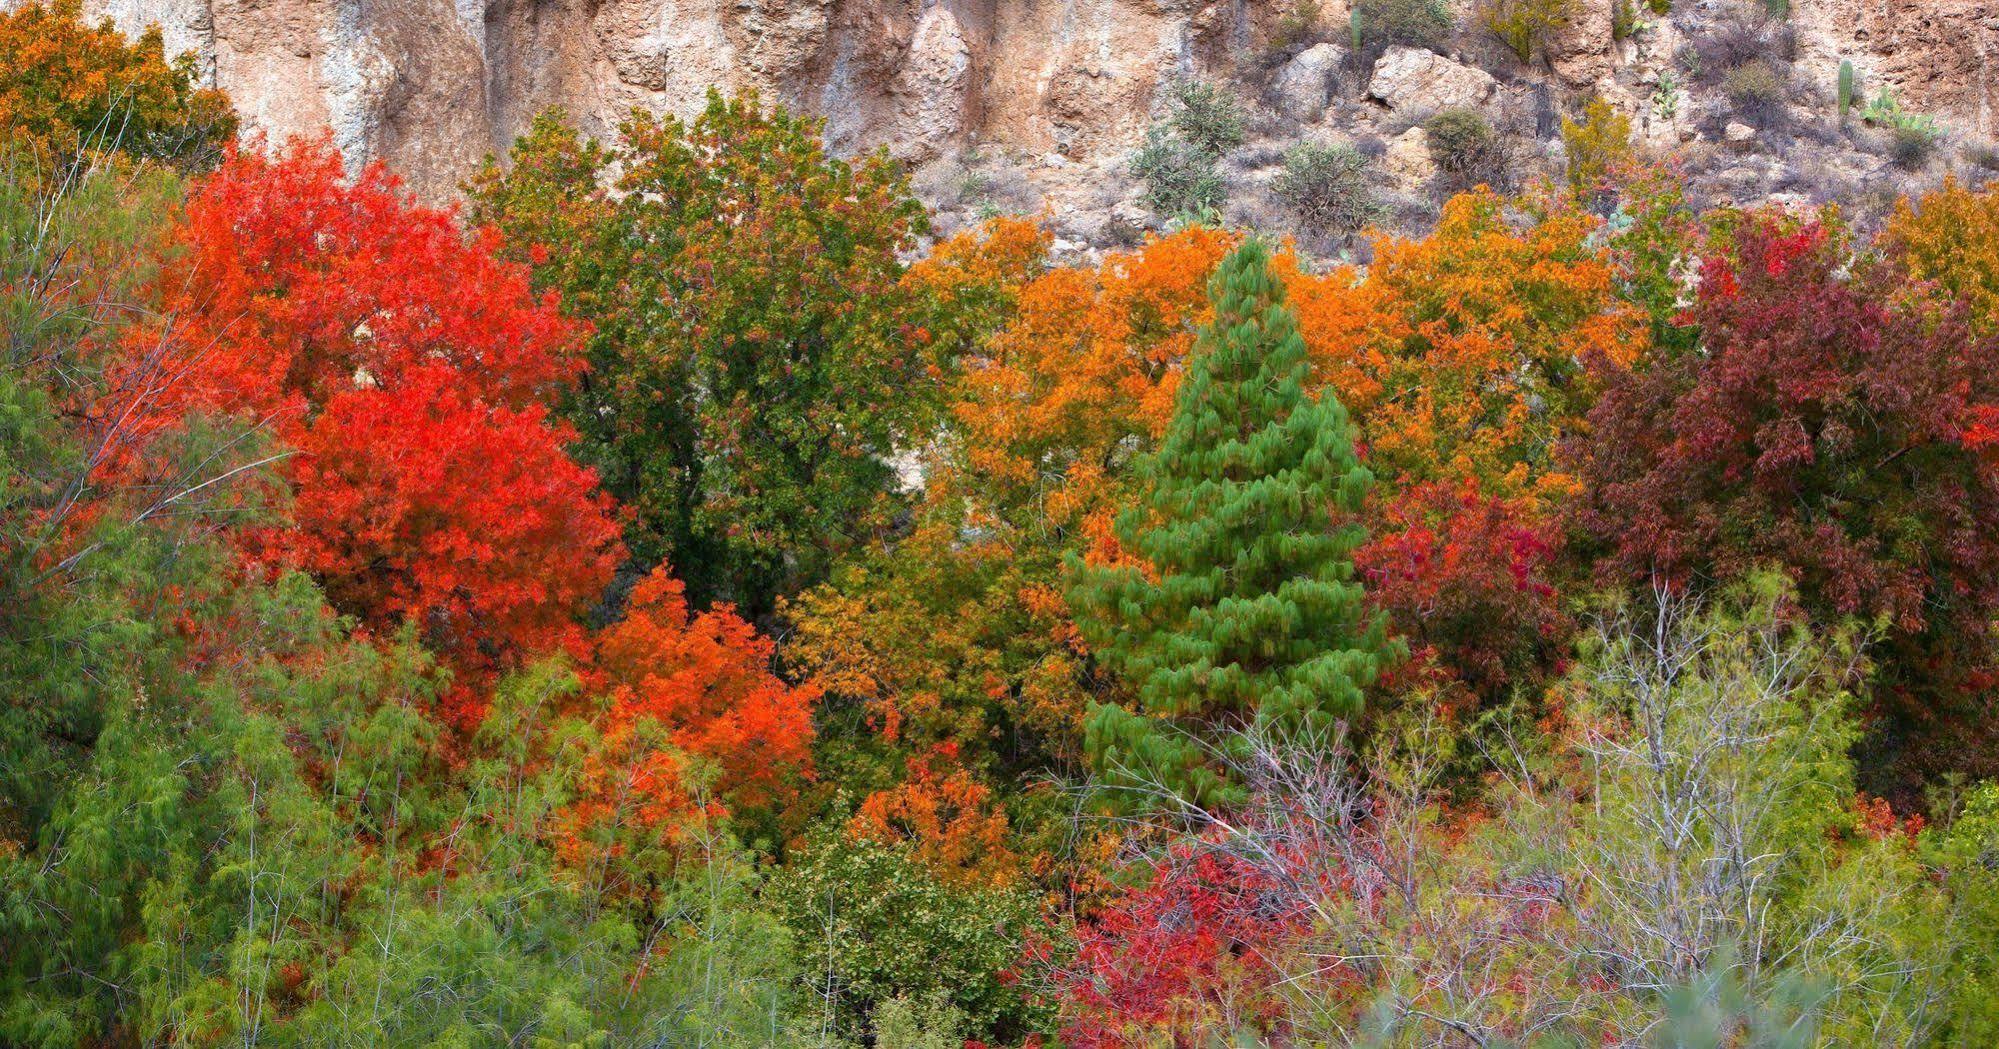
<point x="1032" y="103"/>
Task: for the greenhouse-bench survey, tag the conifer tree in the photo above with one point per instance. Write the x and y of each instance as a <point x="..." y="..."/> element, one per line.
<point x="1251" y="608"/>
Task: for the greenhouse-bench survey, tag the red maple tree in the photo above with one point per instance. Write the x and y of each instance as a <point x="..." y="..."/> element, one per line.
<point x="406" y="367"/>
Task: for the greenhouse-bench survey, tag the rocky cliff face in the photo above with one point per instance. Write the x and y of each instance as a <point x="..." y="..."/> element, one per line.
<point x="434" y="85"/>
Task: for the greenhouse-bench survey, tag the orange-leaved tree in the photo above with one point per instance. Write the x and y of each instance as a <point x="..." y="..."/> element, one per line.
<point x="68" y="88"/>
<point x="959" y="632"/>
<point x="693" y="719"/>
<point x="1950" y="235"/>
<point x="949" y="818"/>
<point x="1476" y="366"/>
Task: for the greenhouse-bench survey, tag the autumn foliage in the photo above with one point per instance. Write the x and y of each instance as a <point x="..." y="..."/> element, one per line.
<point x="403" y="366"/>
<point x="1193" y="950"/>
<point x="951" y="820"/>
<point x="1468" y="579"/>
<point x="1474" y="364"/>
<point x="1840" y="425"/>
<point x="693" y="718"/>
<point x="68" y="88"/>
<point x="675" y="602"/>
<point x="1950" y="236"/>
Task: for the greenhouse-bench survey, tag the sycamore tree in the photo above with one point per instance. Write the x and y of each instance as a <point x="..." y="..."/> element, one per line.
<point x="1235" y="595"/>
<point x="757" y="360"/>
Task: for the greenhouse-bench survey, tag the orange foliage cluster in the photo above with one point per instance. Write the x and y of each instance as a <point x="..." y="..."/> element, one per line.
<point x="1087" y="369"/>
<point x="692" y="725"/>
<point x="1482" y="333"/>
<point x="950" y="818"/>
<point x="68" y="88"/>
<point x="1951" y="236"/>
<point x="705" y="678"/>
<point x="1463" y="358"/>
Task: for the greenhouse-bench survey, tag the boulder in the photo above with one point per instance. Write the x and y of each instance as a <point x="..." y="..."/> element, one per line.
<point x="1304" y="84"/>
<point x="932" y="88"/>
<point x="1408" y="161"/>
<point x="1412" y="79"/>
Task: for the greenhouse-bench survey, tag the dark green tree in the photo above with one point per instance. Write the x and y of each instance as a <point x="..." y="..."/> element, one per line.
<point x="757" y="359"/>
<point x="1251" y="608"/>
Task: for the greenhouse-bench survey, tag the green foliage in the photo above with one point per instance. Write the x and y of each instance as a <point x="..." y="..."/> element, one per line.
<point x="877" y="931"/>
<point x="1326" y="186"/>
<point x="1180" y="160"/>
<point x="1756" y="88"/>
<point x="1401" y="23"/>
<point x="1596" y="145"/>
<point x="1966" y="853"/>
<point x="1207" y="117"/>
<point x="1777" y="9"/>
<point x="1623" y="19"/>
<point x="1711" y="849"/>
<point x="756" y="360"/>
<point x="1355" y="21"/>
<point x="1467" y="150"/>
<point x="1912" y="146"/>
<point x="1667" y="96"/>
<point x="1180" y="181"/>
<point x="904" y="1024"/>
<point x="1525" y="26"/>
<point x="1298" y="27"/>
<point x="1247" y="604"/>
<point x="1715" y="1011"/>
<point x="1846" y="89"/>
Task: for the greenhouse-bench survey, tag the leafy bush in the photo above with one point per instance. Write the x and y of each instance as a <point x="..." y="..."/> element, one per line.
<point x="1757" y="90"/>
<point x="1827" y="419"/>
<point x="1179" y="179"/>
<point x="875" y="926"/>
<point x="1180" y="161"/>
<point x="1525" y="26"/>
<point x="1327" y="187"/>
<point x="1912" y="145"/>
<point x="1207" y="117"/>
<point x="1401" y="23"/>
<point x="1596" y="145"/>
<point x="68" y="88"/>
<point x="1297" y="29"/>
<point x="1467" y="150"/>
<point x="1967" y="853"/>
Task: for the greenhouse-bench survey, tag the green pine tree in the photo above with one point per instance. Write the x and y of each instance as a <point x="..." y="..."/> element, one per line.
<point x="1254" y="611"/>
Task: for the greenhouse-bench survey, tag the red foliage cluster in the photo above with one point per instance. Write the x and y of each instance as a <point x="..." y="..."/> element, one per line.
<point x="1190" y="951"/>
<point x="1831" y="426"/>
<point x="421" y="503"/>
<point x="1834" y="426"/>
<point x="406" y="365"/>
<point x="1466" y="578"/>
